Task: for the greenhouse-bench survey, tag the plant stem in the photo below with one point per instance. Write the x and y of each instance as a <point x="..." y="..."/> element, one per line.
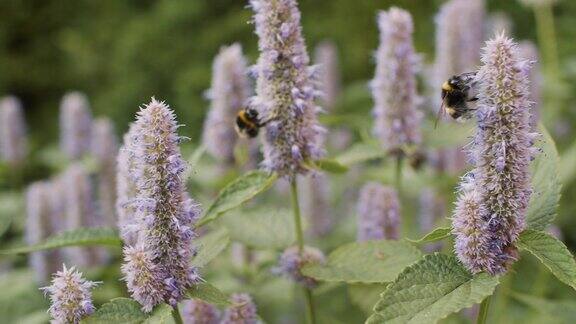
<point x="546" y="33"/>
<point x="483" y="312"/>
<point x="176" y="316"/>
<point x="311" y="318"/>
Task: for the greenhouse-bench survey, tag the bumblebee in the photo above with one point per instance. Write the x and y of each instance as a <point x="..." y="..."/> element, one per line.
<point x="248" y="123"/>
<point x="458" y="96"/>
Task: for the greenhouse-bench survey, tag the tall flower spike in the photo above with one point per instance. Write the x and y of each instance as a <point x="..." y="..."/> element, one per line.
<point x="229" y="94"/>
<point x="13" y="145"/>
<point x="494" y="206"/>
<point x="164" y="212"/>
<point x="105" y="150"/>
<point x="291" y="263"/>
<point x="195" y="311"/>
<point x="397" y="120"/>
<point x="326" y="57"/>
<point x="143" y="277"/>
<point x="378" y="213"/>
<point x="75" y="125"/>
<point x="70" y="296"/>
<point x="315" y="195"/>
<point x="126" y="188"/>
<point x="529" y="51"/>
<point x="242" y="311"/>
<point x="284" y="90"/>
<point x="39" y="226"/>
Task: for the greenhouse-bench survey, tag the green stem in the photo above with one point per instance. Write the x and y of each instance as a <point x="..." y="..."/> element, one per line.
<point x="483" y="312"/>
<point x="311" y="318"/>
<point x="176" y="316"/>
<point x="546" y="33"/>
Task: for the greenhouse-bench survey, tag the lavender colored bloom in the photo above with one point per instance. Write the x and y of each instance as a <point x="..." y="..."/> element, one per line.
<point x="284" y="89"/>
<point x="241" y="255"/>
<point x="229" y="94"/>
<point x="397" y="120"/>
<point x="13" y="144"/>
<point x="378" y="213"/>
<point x="529" y="51"/>
<point x="164" y="212"/>
<point x="242" y="311"/>
<point x="492" y="207"/>
<point x="144" y="278"/>
<point x="39" y="226"/>
<point x="105" y="150"/>
<point x="326" y="57"/>
<point x="70" y="296"/>
<point x="292" y="261"/>
<point x="196" y="311"/>
<point x="75" y="125"/>
<point x="126" y="188"/>
<point x="315" y="193"/>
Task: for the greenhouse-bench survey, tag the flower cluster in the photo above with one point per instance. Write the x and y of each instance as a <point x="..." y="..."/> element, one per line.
<point x="195" y="311"/>
<point x="75" y="125"/>
<point x="284" y="91"/>
<point x="13" y="144"/>
<point x="292" y="261"/>
<point x="378" y="213"/>
<point x="242" y="311"/>
<point x="229" y="94"/>
<point x="105" y="150"/>
<point x="397" y="120"/>
<point x="529" y="51"/>
<point x="70" y="296"/>
<point x="163" y="212"/>
<point x="126" y="188"/>
<point x="492" y="204"/>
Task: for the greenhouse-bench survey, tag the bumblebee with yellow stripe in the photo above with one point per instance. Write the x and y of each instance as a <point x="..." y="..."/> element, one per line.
<point x="247" y="123"/>
<point x="458" y="96"/>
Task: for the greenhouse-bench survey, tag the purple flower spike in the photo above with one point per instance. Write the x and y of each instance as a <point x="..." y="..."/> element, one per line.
<point x="143" y="277"/>
<point x="105" y="150"/>
<point x="75" y="125"/>
<point x="326" y="57"/>
<point x="378" y="213"/>
<point x="126" y="188"/>
<point x="70" y="296"/>
<point x="291" y="263"/>
<point x="13" y="144"/>
<point x="229" y="94"/>
<point x="242" y="311"/>
<point x="283" y="90"/>
<point x="397" y="120"/>
<point x="315" y="193"/>
<point x="195" y="311"/>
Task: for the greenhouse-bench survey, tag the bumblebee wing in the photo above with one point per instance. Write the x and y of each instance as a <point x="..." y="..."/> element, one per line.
<point x="439" y="114"/>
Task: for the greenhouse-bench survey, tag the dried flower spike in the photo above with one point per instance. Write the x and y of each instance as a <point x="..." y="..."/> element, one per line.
<point x="378" y="213"/>
<point x="292" y="261"/>
<point x="242" y="311"/>
<point x="163" y="210"/>
<point x="492" y="207"/>
<point x="284" y="91"/>
<point x="228" y="95"/>
<point x="75" y="125"/>
<point x="195" y="311"/>
<point x="13" y="144"/>
<point x="70" y="296"/>
<point x="397" y="120"/>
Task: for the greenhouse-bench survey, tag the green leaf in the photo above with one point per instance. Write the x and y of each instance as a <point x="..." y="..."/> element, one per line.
<point x="118" y="310"/>
<point x="567" y="170"/>
<point x="11" y="206"/>
<point x="446" y="134"/>
<point x="359" y="153"/>
<point x="552" y="253"/>
<point x="162" y="314"/>
<point x="556" y="311"/>
<point x="262" y="228"/>
<point x="437" y="234"/>
<point x="209" y="294"/>
<point x="209" y="246"/>
<point x="545" y="184"/>
<point x="77" y="237"/>
<point x="237" y="192"/>
<point x="367" y="262"/>
<point x="331" y="166"/>
<point x="366" y="296"/>
<point x="430" y="290"/>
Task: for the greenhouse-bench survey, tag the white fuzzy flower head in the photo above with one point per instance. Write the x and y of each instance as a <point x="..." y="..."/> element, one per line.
<point x="70" y="296"/>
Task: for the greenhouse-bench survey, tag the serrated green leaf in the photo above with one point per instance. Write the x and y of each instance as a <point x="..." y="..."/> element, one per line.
<point x="367" y="262"/>
<point x="556" y="311"/>
<point x="262" y="228"/>
<point x="430" y="290"/>
<point x="77" y="237"/>
<point x="552" y="253"/>
<point x="12" y="206"/>
<point x="237" y="192"/>
<point x="118" y="310"/>
<point x="162" y="314"/>
<point x="366" y="296"/>
<point x="330" y="166"/>
<point x="209" y="294"/>
<point x="545" y="184"/>
<point x="437" y="234"/>
<point x="359" y="153"/>
<point x="209" y="246"/>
